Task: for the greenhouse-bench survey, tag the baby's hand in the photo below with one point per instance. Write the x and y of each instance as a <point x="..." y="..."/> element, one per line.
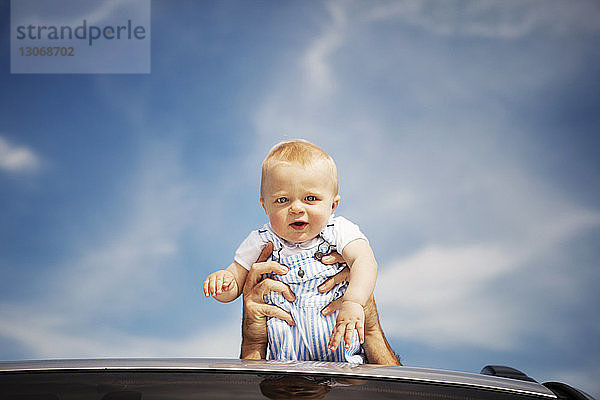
<point x="351" y="317"/>
<point x="218" y="282"/>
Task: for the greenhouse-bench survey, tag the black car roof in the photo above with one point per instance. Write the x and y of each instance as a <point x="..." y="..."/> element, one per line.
<point x="305" y="368"/>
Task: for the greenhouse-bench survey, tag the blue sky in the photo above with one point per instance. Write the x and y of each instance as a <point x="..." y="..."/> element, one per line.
<point x="466" y="137"/>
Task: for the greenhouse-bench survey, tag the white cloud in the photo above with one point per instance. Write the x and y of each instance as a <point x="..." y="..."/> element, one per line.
<point x="318" y="73"/>
<point x="52" y="336"/>
<point x="432" y="297"/>
<point x="310" y="92"/>
<point x="15" y="158"/>
<point x="121" y="269"/>
<point x="450" y="296"/>
<point x="492" y="18"/>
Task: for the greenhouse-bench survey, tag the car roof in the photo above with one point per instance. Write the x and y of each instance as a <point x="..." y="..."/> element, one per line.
<point x="305" y="368"/>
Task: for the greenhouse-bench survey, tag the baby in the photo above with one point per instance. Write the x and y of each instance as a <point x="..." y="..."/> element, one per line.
<point x="299" y="193"/>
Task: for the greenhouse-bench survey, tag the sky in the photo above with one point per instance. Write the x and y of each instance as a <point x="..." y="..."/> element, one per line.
<point x="466" y="136"/>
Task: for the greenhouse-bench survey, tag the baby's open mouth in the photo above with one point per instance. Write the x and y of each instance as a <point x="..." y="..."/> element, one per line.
<point x="298" y="225"/>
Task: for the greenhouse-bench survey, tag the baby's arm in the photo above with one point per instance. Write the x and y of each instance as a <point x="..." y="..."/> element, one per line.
<point x="363" y="274"/>
<point x="226" y="285"/>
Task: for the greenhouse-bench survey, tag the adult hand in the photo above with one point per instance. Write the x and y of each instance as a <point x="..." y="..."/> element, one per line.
<point x="342" y="276"/>
<point x="255" y="310"/>
<point x="377" y="348"/>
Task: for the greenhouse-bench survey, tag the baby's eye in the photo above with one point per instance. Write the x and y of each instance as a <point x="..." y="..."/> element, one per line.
<point x="281" y="200"/>
<point x="311" y="198"/>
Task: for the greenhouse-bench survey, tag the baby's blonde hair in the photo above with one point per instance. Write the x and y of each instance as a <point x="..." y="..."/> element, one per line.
<point x="298" y="151"/>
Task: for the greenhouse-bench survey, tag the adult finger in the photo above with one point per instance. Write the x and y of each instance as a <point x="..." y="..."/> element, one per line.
<point x="276" y="312"/>
<point x="332" y="307"/>
<point x="327" y="285"/>
<point x="266" y="252"/>
<point x="269" y="285"/>
<point x="257" y="271"/>
<point x="330" y="283"/>
<point x="332" y="258"/>
<point x="262" y="266"/>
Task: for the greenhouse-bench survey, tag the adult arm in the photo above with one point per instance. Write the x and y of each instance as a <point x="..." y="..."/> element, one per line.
<point x="377" y="348"/>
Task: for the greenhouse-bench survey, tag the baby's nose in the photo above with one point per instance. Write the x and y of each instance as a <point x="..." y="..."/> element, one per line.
<point x="296" y="207"/>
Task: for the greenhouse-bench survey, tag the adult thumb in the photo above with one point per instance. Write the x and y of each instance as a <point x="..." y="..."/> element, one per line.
<point x="266" y="252"/>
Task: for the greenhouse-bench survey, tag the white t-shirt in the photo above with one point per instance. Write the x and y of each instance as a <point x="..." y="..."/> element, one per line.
<point x="344" y="232"/>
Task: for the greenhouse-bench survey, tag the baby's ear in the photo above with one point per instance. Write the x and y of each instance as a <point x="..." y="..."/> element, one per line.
<point x="262" y="203"/>
<point x="335" y="203"/>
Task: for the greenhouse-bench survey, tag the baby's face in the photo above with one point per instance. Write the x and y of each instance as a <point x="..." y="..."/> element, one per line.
<point x="298" y="199"/>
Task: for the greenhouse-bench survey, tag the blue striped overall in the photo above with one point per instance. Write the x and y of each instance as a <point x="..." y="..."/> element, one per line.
<point x="308" y="339"/>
